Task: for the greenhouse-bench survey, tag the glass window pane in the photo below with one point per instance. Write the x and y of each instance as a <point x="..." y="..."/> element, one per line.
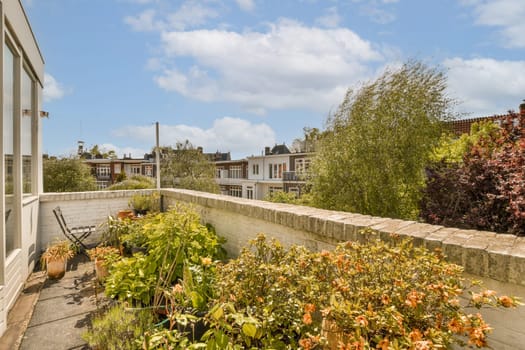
<point x="26" y="126"/>
<point x="8" y="134"/>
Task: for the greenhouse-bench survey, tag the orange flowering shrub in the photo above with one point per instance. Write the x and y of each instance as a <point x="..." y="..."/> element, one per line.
<point x="376" y="295"/>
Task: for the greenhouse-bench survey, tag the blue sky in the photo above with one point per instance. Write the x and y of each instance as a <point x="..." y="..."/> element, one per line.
<point x="238" y="75"/>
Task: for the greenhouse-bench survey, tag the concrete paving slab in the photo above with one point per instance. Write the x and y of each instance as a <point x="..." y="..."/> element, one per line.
<point x="63" y="310"/>
<point x="60" y="334"/>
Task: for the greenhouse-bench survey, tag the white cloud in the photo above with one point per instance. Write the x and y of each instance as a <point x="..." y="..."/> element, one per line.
<point x="53" y="90"/>
<point x="504" y="14"/>
<point x="226" y="135"/>
<point x="124" y="151"/>
<point x="145" y="21"/>
<point x="330" y="19"/>
<point x="190" y="14"/>
<point x="290" y="65"/>
<point x="486" y="86"/>
<point x="246" y="5"/>
<point x="377" y="14"/>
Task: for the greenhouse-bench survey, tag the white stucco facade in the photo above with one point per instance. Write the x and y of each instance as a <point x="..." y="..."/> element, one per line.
<point x="20" y="151"/>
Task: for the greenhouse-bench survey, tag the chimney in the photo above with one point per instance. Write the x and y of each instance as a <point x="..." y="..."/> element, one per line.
<point x="267" y="151"/>
<point x="80" y="148"/>
<point x="522" y="109"/>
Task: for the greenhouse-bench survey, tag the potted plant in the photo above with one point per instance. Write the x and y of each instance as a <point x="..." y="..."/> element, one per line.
<point x="103" y="256"/>
<point x="55" y="257"/>
<point x="144" y="203"/>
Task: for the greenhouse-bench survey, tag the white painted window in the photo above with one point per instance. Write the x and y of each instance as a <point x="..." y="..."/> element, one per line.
<point x="135" y="169"/>
<point x="236" y="191"/>
<point x="302" y="166"/>
<point x="236" y="172"/>
<point x="103" y="170"/>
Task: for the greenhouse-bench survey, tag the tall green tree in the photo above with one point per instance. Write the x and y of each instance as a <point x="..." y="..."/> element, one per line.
<point x="187" y="167"/>
<point x="68" y="174"/>
<point x="373" y="154"/>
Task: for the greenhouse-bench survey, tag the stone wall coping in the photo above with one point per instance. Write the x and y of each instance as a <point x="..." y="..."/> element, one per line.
<point x="486" y="254"/>
<point x="75" y="196"/>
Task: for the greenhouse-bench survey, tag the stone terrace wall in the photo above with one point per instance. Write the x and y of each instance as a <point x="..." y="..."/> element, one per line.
<point x="497" y="259"/>
<point x="79" y="209"/>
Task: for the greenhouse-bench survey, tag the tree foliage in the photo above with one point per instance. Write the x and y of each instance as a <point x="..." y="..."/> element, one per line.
<point x="486" y="190"/>
<point x="373" y="155"/>
<point x="187" y="167"/>
<point x="68" y="174"/>
<point x="101" y="153"/>
<point x="133" y="183"/>
<point x="309" y="142"/>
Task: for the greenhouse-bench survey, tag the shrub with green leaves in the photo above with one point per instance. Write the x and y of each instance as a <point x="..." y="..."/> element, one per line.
<point x="173" y="240"/>
<point x="374" y="295"/>
<point x="119" y="329"/>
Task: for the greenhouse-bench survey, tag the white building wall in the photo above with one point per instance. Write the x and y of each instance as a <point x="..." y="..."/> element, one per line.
<point x="15" y="268"/>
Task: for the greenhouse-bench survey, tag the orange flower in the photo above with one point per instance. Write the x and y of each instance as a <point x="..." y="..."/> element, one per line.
<point x="414" y="298"/>
<point x="361" y="321"/>
<point x="385" y="299"/>
<point x="415" y="335"/>
<point x="177" y="289"/>
<point x="423" y="345"/>
<point x="326" y="311"/>
<point x="306" y="344"/>
<point x="477" y="337"/>
<point x="455" y="326"/>
<point x="326" y="254"/>
<point x="506" y="301"/>
<point x="206" y="261"/>
<point x="383" y="344"/>
<point x="454" y="302"/>
<point x="309" y="308"/>
<point x="307" y="318"/>
<point x="489" y="293"/>
<point x="477" y="298"/>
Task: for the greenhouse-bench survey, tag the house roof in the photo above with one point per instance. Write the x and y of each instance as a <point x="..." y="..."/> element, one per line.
<point x="280" y="149"/>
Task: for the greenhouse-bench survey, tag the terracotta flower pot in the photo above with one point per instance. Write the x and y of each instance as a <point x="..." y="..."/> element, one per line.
<point x="125" y="214"/>
<point x="101" y="270"/>
<point x="56" y="268"/>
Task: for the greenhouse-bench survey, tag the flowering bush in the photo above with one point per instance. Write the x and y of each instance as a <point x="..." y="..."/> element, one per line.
<point x="358" y="296"/>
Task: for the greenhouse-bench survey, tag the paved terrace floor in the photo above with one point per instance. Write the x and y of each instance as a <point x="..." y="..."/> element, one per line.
<point x="53" y="314"/>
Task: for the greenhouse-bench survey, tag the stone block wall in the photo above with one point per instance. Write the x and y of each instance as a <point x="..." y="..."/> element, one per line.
<point x="79" y="209"/>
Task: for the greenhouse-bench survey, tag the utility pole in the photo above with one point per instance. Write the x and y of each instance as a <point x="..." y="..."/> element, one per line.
<point x="157" y="153"/>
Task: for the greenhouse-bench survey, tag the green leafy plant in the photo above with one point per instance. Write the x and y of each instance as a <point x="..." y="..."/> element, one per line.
<point x="145" y="203"/>
<point x="175" y="241"/>
<point x="59" y="250"/>
<point x="119" y="328"/>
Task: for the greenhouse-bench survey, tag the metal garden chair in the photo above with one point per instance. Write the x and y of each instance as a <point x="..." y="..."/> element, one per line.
<point x="75" y="235"/>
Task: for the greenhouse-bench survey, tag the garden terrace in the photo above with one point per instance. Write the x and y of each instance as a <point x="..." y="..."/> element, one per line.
<point x="497" y="259"/>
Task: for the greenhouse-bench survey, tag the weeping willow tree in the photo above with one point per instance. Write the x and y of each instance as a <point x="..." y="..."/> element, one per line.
<point x="376" y="146"/>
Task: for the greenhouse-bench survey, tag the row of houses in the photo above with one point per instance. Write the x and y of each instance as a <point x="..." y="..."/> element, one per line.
<point x="254" y="177"/>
